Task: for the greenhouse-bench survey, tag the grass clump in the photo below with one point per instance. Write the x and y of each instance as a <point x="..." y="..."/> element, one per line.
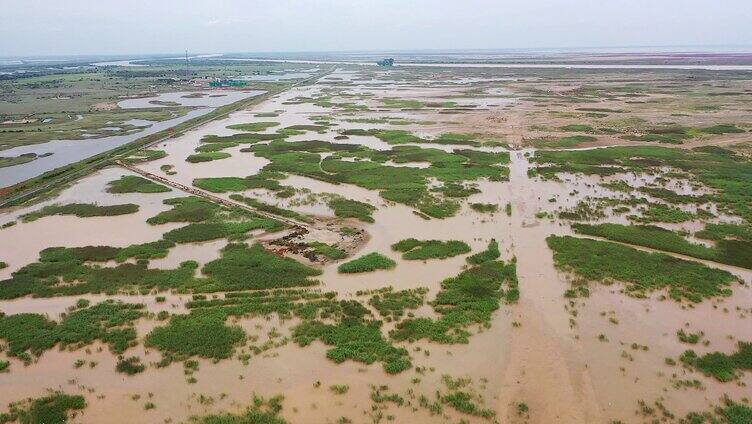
<point x="260" y="412"/>
<point x="413" y="249"/>
<point x="391" y="305"/>
<point x="81" y="210"/>
<point x="207" y="157"/>
<point x="54" y="408"/>
<point x="130" y="366"/>
<point x="339" y="389"/>
<point x="689" y="338"/>
<point x="200" y="333"/>
<point x="367" y="263"/>
<point x="719" y="365"/>
<point x="135" y="184"/>
<point x="484" y="207"/>
<point x="490" y="254"/>
<point x="642" y="272"/>
<point x="463" y="402"/>
<point x="346" y="208"/>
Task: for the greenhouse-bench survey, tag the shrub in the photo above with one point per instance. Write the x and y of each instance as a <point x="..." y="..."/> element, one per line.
<point x="484" y="207"/>
<point x="130" y="366"/>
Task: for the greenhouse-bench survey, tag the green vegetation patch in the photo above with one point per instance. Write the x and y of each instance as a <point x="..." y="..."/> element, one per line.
<point x="110" y="322"/>
<point x="329" y="251"/>
<point x="365" y="167"/>
<point x="186" y="209"/>
<point x="356" y="340"/>
<point x="561" y="142"/>
<point x="260" y="412"/>
<point x="396" y="137"/>
<point x="490" y="254"/>
<point x="272" y="209"/>
<point x="729" y="413"/>
<point x="207" y="157"/>
<point x="642" y="272"/>
<point x="81" y="210"/>
<point x="728" y="175"/>
<point x="216" y="147"/>
<point x="6" y="161"/>
<point x="135" y="184"/>
<point x="719" y="365"/>
<point x="730" y="252"/>
<point x="144" y="155"/>
<point x="468" y="299"/>
<point x="577" y="128"/>
<point x="346" y="208"/>
<point x="392" y="304"/>
<point x="264" y="179"/>
<point x="367" y="263"/>
<point x="413" y="249"/>
<point x="254" y="126"/>
<point x="484" y="207"/>
<point x="54" y="408"/>
<point x="205" y="231"/>
<point x="244" y="268"/>
<point x="200" y="333"/>
<point x="64" y="271"/>
<point x="657" y="212"/>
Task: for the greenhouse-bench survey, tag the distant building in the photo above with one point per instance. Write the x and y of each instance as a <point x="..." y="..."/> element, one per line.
<point x="385" y="62"/>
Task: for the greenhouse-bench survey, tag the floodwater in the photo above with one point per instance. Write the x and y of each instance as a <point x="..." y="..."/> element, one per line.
<point x="65" y="152"/>
<point x="545" y="350"/>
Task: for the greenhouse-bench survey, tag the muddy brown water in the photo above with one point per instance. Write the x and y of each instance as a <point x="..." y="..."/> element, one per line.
<point x="536" y="351"/>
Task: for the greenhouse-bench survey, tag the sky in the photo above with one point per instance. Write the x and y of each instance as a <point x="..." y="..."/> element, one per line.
<point x="85" y="27"/>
